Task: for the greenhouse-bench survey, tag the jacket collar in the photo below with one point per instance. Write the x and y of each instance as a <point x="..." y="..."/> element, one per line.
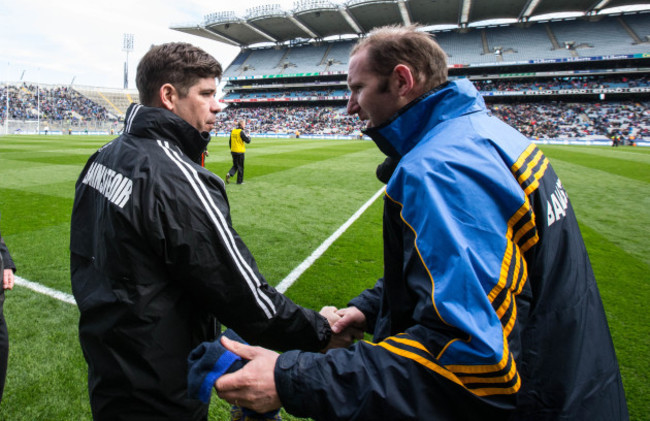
<point x="159" y="123"/>
<point x="405" y="129"/>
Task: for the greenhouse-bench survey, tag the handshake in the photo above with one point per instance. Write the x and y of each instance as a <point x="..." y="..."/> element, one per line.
<point x="348" y="324"/>
<point x="243" y="375"/>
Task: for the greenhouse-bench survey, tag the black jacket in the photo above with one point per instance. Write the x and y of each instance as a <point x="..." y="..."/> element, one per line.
<point x="156" y="265"/>
<point x="6" y="262"/>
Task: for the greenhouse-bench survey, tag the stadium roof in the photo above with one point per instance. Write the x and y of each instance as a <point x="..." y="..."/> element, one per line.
<point x="319" y="19"/>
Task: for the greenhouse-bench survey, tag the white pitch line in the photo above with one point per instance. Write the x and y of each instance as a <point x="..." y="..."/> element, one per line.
<point x="284" y="285"/>
<point x="61" y="296"/>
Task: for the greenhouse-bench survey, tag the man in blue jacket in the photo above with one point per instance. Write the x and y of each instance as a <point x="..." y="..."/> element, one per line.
<point x="488" y="307"/>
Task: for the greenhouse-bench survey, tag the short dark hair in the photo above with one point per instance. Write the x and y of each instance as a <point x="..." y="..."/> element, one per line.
<point x="391" y="45"/>
<point x="178" y="63"/>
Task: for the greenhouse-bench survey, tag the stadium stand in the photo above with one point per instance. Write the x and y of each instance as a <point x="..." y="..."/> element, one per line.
<point x="610" y="38"/>
<point x="63" y="109"/>
<point x="116" y="101"/>
<point x="543" y="120"/>
<point x="530" y="75"/>
<point x="523" y="44"/>
<point x="308" y="58"/>
<point x="639" y="25"/>
<point x="467" y="48"/>
<point x="563" y="78"/>
<point x="337" y="56"/>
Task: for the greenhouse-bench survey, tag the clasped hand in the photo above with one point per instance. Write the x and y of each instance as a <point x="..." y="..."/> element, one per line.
<point x="348" y="325"/>
<point x="253" y="386"/>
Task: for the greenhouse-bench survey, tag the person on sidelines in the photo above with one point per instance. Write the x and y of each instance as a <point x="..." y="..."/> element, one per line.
<point x="204" y="155"/>
<point x="156" y="265"/>
<point x="237" y="143"/>
<point x="7" y="269"/>
<point x="488" y="307"/>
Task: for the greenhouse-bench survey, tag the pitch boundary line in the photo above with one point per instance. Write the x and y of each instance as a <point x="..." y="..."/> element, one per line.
<point x="292" y="277"/>
<point x="42" y="289"/>
<point x="283" y="286"/>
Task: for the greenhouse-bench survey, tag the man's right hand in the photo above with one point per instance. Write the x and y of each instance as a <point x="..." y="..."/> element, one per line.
<point x="351" y="317"/>
<point x="252" y="386"/>
<point x="346" y="335"/>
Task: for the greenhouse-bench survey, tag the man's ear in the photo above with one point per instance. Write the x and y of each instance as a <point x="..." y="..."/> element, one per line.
<point x="403" y="79"/>
<point x="168" y="95"/>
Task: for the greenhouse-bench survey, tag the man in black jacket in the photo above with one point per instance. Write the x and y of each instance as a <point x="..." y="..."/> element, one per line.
<point x="7" y="269"/>
<point x="156" y="265"/>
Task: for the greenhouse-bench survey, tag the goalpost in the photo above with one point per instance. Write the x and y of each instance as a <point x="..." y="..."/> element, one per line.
<point x="22" y="127"/>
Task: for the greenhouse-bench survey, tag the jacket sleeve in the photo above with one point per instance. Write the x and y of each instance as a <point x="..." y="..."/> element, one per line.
<point x="245" y="137"/>
<point x="373" y="382"/>
<point x="190" y="225"/>
<point x="447" y="352"/>
<point x="7" y="261"/>
<point x="369" y="302"/>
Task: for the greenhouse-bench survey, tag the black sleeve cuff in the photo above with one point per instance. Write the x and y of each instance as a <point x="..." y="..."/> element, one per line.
<point x="288" y="385"/>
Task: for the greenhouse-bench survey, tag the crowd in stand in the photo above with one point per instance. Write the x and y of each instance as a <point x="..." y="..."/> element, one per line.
<point x="555" y="83"/>
<point x="291" y="119"/>
<point x="287" y="94"/>
<point x="491" y="85"/>
<point x="541" y="120"/>
<point x="549" y="120"/>
<point x="57" y="104"/>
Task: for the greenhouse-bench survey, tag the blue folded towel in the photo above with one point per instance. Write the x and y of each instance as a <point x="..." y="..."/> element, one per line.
<point x="209" y="361"/>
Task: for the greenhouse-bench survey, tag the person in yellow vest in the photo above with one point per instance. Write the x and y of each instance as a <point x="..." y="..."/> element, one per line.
<point x="237" y="142"/>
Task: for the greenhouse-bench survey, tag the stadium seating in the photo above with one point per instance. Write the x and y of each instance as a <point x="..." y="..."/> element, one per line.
<point x="524" y="44"/>
<point x="315" y="105"/>
<point x="289" y="119"/>
<point x="337" y="56"/>
<point x="116" y="101"/>
<point x="464" y="49"/>
<point x="265" y="61"/>
<point x="609" y="38"/>
<point x="639" y="24"/>
<point x="307" y="58"/>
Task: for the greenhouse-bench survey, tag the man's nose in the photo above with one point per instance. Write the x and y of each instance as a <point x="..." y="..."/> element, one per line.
<point x="353" y="107"/>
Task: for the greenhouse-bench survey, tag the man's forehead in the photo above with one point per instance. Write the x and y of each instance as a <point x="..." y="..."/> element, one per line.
<point x="204" y="84"/>
<point x="357" y="65"/>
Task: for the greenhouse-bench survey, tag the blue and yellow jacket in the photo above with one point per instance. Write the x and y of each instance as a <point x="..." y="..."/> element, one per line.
<point x="488" y="307"/>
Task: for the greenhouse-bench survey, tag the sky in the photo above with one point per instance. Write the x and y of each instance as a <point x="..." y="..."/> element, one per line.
<point x="80" y="42"/>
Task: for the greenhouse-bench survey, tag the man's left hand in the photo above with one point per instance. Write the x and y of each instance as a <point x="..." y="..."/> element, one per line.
<point x="8" y="279"/>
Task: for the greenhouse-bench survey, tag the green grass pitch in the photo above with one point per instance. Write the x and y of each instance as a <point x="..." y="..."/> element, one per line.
<point x="297" y="193"/>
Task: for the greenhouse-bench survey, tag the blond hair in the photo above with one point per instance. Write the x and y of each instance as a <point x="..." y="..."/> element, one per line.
<point x="391" y="45"/>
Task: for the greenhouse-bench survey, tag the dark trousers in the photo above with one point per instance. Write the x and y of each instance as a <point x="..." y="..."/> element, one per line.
<point x="237" y="166"/>
<point x="4" y="344"/>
